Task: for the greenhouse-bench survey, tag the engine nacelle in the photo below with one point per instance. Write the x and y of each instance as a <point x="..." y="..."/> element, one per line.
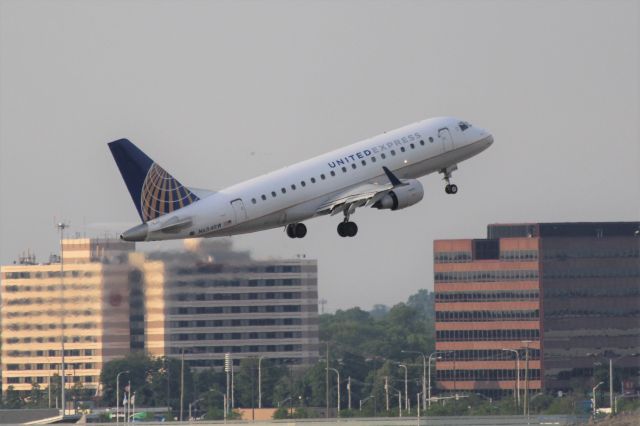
<point x="401" y="196"/>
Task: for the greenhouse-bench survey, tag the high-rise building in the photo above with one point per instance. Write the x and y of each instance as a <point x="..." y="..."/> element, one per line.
<point x="206" y="301"/>
<point x="92" y="298"/>
<point x="569" y="292"/>
<point x="209" y="300"/>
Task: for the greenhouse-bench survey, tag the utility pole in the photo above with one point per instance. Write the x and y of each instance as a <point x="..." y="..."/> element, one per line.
<point x="327" y="378"/>
<point x="338" y="405"/>
<point x="349" y="391"/>
<point x="399" y="403"/>
<point x="227" y="369"/>
<point x="61" y="227"/>
<point x="526" y="377"/>
<point x="233" y="389"/>
<point x="611" y="385"/>
<point x="406" y="388"/>
<point x="386" y="391"/>
<point x="260" y="381"/>
<point x="181" y="382"/>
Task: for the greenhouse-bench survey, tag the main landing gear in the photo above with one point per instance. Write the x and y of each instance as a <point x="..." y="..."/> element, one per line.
<point x="450" y="188"/>
<point x="296" y="230"/>
<point x="347" y="228"/>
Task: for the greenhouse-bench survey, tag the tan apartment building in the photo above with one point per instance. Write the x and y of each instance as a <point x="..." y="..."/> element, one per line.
<point x="93" y="297"/>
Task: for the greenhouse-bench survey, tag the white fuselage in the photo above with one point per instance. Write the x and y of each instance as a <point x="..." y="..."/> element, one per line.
<point x="295" y="193"/>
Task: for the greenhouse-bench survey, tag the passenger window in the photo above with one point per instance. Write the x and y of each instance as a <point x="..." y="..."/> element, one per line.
<point x="344" y="170"/>
<point x="364" y="163"/>
<point x="393" y="152"/>
<point x="253" y="200"/>
<point x="402" y="148"/>
<point x="412" y="146"/>
<point x="430" y="139"/>
<point x="333" y="173"/>
<point x="303" y="183"/>
<point x="293" y="187"/>
<point x="284" y="191"/>
<point x="322" y="177"/>
<point x="313" y="180"/>
<point x="353" y="166"/>
<point x="273" y="194"/>
<point x="383" y="156"/>
<point x="422" y="143"/>
<point x="264" y="197"/>
<point x="373" y="159"/>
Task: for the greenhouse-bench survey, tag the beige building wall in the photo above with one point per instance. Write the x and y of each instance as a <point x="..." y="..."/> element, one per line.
<point x="94" y="321"/>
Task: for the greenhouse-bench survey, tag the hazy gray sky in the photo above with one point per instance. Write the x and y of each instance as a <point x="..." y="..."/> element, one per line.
<point x="219" y="92"/>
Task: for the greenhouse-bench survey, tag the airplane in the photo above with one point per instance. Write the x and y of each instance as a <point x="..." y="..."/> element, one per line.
<point x="379" y="172"/>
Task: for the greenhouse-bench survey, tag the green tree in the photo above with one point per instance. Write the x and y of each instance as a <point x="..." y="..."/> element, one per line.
<point x="36" y="396"/>
<point x="12" y="399"/>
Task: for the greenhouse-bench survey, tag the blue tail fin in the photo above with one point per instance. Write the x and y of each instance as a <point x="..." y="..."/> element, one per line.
<point x="154" y="191"/>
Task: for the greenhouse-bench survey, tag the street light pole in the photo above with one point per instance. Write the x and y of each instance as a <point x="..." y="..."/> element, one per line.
<point x="429" y="380"/>
<point x="526" y="376"/>
<point x="61" y="227"/>
<point x="260" y="381"/>
<point x="406" y="387"/>
<point x="181" y="382"/>
<point x="517" y="374"/>
<point x="593" y="392"/>
<point x="424" y="376"/>
<point x="118" y="395"/>
<point x="338" y="374"/>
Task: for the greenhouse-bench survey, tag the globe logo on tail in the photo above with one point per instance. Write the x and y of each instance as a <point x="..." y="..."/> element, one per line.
<point x="162" y="194"/>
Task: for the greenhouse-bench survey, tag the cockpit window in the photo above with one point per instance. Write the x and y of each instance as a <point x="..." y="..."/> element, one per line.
<point x="464" y="125"/>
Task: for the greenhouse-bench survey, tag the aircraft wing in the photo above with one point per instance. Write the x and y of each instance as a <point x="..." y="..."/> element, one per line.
<point x="361" y="195"/>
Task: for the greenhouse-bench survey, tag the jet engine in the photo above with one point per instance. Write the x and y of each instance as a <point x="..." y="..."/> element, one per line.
<point x="401" y="196"/>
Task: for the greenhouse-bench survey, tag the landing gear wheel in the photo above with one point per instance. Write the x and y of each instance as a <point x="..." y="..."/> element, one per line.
<point x="341" y="230"/>
<point x="451" y="188"/>
<point x="351" y="229"/>
<point x="347" y="229"/>
<point x="296" y="230"/>
<point x="291" y="233"/>
<point x="300" y="230"/>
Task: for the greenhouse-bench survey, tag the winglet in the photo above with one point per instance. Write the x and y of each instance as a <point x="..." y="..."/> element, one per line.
<point x="392" y="178"/>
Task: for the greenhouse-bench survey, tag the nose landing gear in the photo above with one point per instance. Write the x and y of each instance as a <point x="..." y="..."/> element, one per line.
<point x="450" y="188"/>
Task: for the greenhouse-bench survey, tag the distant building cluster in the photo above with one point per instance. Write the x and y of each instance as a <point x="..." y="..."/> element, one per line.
<point x="536" y="305"/>
<point x="201" y="303"/>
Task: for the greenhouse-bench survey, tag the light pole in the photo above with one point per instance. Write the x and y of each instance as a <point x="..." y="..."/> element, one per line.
<point x="260" y="381"/>
<point x="595" y="354"/>
<point x="526" y="376"/>
<point x="118" y="395"/>
<point x="61" y="227"/>
<point x="517" y="374"/>
<point x="424" y="375"/>
<point x="338" y="373"/>
<point x="593" y="392"/>
<point x="431" y="356"/>
<point x="406" y="387"/>
<point x="181" y="382"/>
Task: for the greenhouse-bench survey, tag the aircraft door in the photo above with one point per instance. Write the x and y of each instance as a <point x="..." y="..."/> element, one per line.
<point x="239" y="210"/>
<point x="445" y="139"/>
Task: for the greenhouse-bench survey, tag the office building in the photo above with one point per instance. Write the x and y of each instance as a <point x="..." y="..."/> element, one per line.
<point x="93" y="299"/>
<point x="570" y="292"/>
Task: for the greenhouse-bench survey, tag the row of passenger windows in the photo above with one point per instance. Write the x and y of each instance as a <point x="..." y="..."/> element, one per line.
<point x="486" y="355"/>
<point x="454" y="316"/>
<point x="486" y="276"/>
<point x="236" y="336"/>
<point x="486" y="374"/>
<point x="486" y="296"/>
<point x="483" y="335"/>
<point x="332" y="173"/>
